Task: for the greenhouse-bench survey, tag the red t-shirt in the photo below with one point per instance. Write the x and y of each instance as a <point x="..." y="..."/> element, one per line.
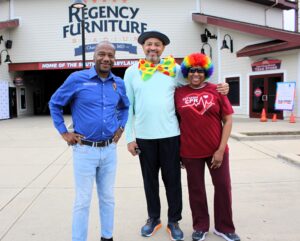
<point x="201" y="112"/>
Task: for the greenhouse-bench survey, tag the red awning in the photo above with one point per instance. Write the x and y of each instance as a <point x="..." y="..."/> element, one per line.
<point x="266" y="47"/>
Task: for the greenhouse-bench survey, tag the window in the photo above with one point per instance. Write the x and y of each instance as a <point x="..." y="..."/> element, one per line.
<point x="234" y="90"/>
<point x="23" y="98"/>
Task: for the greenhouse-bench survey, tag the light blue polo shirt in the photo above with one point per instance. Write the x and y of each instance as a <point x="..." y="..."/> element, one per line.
<point x="152" y="108"/>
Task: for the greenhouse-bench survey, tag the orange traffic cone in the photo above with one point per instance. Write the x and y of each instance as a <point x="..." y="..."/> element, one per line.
<point x="263" y="117"/>
<point x="274" y="119"/>
<point x="292" y="118"/>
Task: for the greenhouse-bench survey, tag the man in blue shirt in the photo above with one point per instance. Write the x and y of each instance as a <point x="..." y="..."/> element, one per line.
<point x="99" y="107"/>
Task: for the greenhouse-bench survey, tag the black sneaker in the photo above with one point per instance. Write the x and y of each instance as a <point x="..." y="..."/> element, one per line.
<point x="106" y="239"/>
<point x="151" y="226"/>
<point x="198" y="235"/>
<point x="228" y="236"/>
<point x="175" y="232"/>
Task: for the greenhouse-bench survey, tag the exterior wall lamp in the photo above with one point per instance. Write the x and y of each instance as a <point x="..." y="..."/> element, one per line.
<point x="225" y="46"/>
<point x="79" y="4"/>
<point x="207" y="35"/>
<point x="203" y="50"/>
<point x="7" y="59"/>
<point x="8" y="43"/>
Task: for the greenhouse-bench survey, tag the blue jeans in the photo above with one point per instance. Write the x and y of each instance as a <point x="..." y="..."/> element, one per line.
<point x="93" y="164"/>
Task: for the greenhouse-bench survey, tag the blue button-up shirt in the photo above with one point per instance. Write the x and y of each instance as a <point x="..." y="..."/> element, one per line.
<point x="99" y="107"/>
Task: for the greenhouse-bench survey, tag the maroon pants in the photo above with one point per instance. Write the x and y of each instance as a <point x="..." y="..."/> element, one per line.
<point x="197" y="194"/>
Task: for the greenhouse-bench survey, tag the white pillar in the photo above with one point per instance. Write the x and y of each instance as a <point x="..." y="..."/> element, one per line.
<point x="198" y="6"/>
<point x="219" y="55"/>
<point x="298" y="15"/>
<point x="297" y="104"/>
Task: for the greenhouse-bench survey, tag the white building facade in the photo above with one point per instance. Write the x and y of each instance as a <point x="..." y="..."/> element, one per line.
<point x="44" y="42"/>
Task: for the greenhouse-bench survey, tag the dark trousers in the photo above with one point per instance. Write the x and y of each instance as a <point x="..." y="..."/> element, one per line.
<point x="197" y="194"/>
<point x="161" y="154"/>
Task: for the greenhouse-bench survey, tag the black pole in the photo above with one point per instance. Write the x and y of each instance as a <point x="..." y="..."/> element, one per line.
<point x="231" y="45"/>
<point x="83" y="38"/>
<point x="297" y="17"/>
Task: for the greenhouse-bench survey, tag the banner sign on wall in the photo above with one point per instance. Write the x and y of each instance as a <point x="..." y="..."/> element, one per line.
<point x="78" y="64"/>
<point x="285" y="95"/>
<point x="4" y="100"/>
<point x="119" y="47"/>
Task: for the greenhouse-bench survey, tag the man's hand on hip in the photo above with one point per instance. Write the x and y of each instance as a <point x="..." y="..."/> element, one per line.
<point x="72" y="138"/>
<point x="117" y="135"/>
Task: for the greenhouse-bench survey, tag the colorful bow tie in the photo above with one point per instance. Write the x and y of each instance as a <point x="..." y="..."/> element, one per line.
<point x="166" y="66"/>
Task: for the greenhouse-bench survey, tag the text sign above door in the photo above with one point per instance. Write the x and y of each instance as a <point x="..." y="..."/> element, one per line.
<point x="266" y="64"/>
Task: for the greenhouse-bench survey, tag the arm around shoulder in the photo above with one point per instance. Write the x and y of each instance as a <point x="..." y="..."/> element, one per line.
<point x="223" y="88"/>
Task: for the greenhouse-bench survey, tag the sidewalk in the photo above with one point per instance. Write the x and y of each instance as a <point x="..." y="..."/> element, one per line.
<point x="36" y="186"/>
<point x="281" y="138"/>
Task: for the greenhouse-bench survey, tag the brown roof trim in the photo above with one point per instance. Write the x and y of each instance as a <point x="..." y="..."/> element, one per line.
<point x="283" y="40"/>
<point x="267" y="47"/>
<point x="248" y="28"/>
<point x="9" y="24"/>
<point x="282" y="4"/>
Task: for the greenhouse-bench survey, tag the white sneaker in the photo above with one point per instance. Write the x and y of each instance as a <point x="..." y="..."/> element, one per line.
<point x="228" y="236"/>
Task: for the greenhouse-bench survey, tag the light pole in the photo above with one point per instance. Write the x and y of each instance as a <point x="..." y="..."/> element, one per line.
<point x="210" y="49"/>
<point x="225" y="46"/>
<point x="79" y="4"/>
<point x="7" y="59"/>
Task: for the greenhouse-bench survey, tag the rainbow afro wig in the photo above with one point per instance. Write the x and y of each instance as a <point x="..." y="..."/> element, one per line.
<point x="197" y="60"/>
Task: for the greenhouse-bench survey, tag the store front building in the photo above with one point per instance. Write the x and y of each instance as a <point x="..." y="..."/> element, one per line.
<point x="46" y="46"/>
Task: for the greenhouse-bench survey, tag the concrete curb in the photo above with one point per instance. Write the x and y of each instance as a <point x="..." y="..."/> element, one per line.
<point x="290" y="157"/>
<point x="244" y="137"/>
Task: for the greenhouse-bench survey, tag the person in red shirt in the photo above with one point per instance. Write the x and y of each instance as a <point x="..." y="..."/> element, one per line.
<point x="205" y="124"/>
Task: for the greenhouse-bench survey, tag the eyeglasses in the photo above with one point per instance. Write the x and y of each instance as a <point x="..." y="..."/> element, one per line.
<point x="198" y="70"/>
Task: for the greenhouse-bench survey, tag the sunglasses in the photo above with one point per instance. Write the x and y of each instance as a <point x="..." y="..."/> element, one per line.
<point x="198" y="70"/>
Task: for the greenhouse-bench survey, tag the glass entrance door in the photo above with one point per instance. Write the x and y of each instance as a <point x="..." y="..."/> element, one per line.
<point x="12" y="102"/>
<point x="263" y="95"/>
